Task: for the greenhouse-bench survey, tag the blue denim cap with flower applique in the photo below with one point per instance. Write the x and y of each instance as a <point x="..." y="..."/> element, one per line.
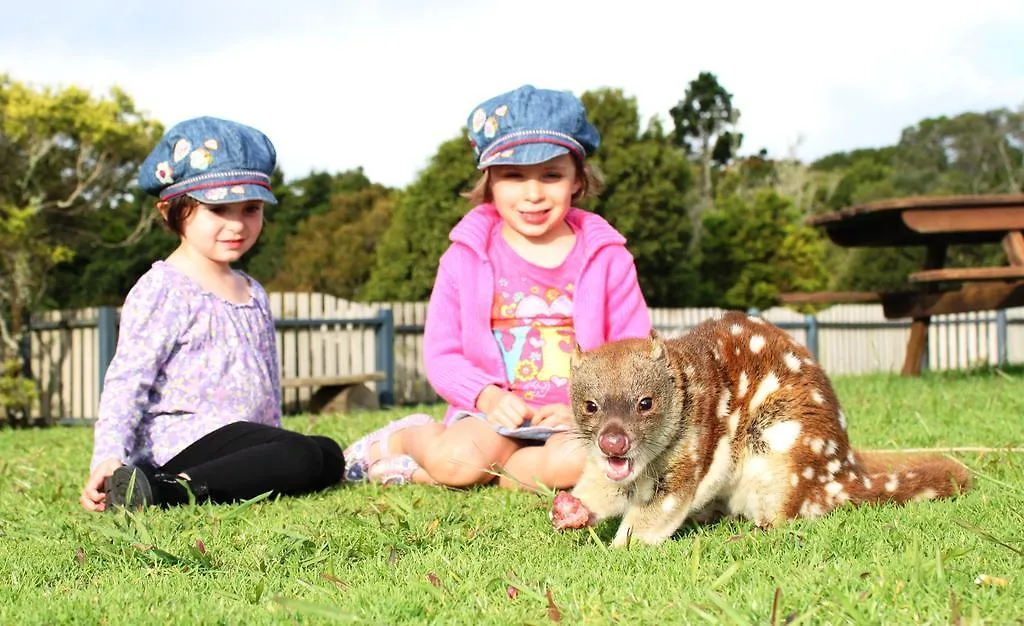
<point x="212" y="160"/>
<point x="529" y="125"/>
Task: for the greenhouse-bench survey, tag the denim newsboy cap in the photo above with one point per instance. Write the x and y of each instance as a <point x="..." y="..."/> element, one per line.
<point x="529" y="125"/>
<point x="212" y="160"/>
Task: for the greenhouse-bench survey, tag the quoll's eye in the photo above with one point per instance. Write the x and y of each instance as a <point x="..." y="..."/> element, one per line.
<point x="645" y="404"/>
<point x="590" y="406"/>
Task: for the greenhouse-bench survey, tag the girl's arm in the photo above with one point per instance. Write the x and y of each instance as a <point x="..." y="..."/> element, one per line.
<point x="628" y="317"/>
<point x="453" y="376"/>
<point x="151" y="320"/>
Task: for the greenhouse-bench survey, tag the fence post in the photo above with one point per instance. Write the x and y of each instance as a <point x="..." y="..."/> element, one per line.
<point x="1002" y="348"/>
<point x="812" y="336"/>
<point x="106" y="323"/>
<point x="386" y="356"/>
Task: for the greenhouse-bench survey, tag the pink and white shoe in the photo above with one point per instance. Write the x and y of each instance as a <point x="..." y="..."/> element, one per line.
<point x="357" y="461"/>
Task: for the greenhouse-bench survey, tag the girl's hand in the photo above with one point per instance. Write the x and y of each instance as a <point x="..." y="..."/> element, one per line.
<point x="558" y="416"/>
<point x="503" y="408"/>
<point x="93" y="498"/>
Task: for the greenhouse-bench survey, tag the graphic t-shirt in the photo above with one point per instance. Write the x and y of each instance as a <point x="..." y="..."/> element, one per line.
<point x="532" y="321"/>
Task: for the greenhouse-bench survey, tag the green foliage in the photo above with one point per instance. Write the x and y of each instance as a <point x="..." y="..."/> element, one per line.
<point x="705" y="120"/>
<point x="17" y="394"/>
<point x="64" y="155"/>
<point x="418" y="234"/>
<point x="755" y="248"/>
<point x="333" y="251"/>
<point x="645" y="198"/>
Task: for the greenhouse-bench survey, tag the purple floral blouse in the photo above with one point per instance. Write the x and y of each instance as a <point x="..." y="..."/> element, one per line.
<point x="187" y="363"/>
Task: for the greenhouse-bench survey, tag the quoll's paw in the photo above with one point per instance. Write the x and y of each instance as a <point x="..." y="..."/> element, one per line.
<point x="567" y="511"/>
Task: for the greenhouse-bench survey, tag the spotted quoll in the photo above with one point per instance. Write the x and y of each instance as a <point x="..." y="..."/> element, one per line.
<point x="733" y="418"/>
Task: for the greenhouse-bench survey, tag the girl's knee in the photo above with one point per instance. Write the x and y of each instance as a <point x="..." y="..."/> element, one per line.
<point x="460" y="464"/>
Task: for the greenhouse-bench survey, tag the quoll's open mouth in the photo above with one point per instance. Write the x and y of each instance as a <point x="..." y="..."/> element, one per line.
<point x="618" y="467"/>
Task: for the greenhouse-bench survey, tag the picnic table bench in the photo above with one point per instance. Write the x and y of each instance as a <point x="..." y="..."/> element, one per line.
<point x="338" y="394"/>
<point x="935" y="222"/>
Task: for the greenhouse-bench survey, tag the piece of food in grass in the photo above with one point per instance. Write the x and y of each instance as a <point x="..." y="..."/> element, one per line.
<point x="568" y="512"/>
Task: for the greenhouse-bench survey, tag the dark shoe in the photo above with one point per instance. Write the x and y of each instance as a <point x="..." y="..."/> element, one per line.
<point x="150" y="488"/>
<point x="128" y="487"/>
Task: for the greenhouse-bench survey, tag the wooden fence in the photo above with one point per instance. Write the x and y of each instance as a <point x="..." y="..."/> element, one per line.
<point x="69" y="350"/>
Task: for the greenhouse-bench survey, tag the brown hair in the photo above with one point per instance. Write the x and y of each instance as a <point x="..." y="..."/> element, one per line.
<point x="591" y="184"/>
<point x="179" y="209"/>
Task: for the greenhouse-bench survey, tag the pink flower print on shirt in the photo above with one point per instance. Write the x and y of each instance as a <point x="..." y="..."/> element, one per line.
<point x="536" y="308"/>
<point x="238" y="189"/>
<point x="217" y="193"/>
<point x="211" y="144"/>
<point x="164" y="172"/>
<point x="501" y="111"/>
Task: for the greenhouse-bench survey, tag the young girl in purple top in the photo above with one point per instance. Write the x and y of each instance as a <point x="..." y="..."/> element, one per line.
<point x="191" y="402"/>
<point x="526" y="276"/>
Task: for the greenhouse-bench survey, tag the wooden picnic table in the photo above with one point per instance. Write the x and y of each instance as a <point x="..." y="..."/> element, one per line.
<point x="936" y="223"/>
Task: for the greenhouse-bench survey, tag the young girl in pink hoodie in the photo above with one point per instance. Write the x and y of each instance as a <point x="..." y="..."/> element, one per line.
<point x="526" y="277"/>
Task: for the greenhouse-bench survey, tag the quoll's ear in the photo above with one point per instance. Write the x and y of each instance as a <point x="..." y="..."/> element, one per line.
<point x="657" y="346"/>
<point x="576" y="356"/>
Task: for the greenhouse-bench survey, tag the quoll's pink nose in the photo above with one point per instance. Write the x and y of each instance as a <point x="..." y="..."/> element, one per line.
<point x="613" y="443"/>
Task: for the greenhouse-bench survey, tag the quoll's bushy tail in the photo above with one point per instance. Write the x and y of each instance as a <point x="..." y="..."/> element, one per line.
<point x="901" y="477"/>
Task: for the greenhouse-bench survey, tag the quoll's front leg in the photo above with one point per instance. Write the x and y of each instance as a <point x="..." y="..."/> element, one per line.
<point x="602" y="497"/>
<point x="654" y="522"/>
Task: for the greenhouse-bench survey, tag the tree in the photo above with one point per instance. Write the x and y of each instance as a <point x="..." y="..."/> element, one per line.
<point x="334" y="251"/>
<point x="755" y="247"/>
<point x="647" y="183"/>
<point x="418" y="233"/>
<point x="64" y="154"/>
<point x="705" y="127"/>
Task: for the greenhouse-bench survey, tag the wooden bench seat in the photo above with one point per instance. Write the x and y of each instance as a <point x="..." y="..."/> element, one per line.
<point x="338" y="394"/>
<point x="959" y="274"/>
<point x="830" y="297"/>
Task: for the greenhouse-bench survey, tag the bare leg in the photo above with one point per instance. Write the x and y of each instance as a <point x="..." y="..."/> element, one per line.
<point x="557" y="464"/>
<point x="468" y="452"/>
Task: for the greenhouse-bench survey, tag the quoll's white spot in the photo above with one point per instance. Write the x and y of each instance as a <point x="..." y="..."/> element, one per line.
<point x="794" y="479"/>
<point x="816" y="396"/>
<point x="741" y="388"/>
<point x="768" y="386"/>
<point x="734" y="421"/>
<point x="892" y="483"/>
<point x="830" y="448"/>
<point x="690" y="370"/>
<point x="808" y="472"/>
<point x="755" y="319"/>
<point x="911" y="474"/>
<point x="723" y="404"/>
<point x="735" y="329"/>
<point x="833" y="488"/>
<point x="811" y="509"/>
<point x="792" y="361"/>
<point x="842" y="419"/>
<point x="816" y="445"/>
<point x="780" y="437"/>
<point x="849" y="457"/>
<point x="926" y="494"/>
<point x="833" y="466"/>
<point x="757" y="343"/>
<point x="867" y="483"/>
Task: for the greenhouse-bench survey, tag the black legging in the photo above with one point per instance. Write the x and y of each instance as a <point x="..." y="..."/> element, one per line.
<point x="243" y="460"/>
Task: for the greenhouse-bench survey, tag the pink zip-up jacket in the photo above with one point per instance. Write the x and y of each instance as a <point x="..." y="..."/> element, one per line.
<point x="460" y="352"/>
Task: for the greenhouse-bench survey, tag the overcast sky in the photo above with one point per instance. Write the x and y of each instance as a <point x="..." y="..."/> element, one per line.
<point x="338" y="84"/>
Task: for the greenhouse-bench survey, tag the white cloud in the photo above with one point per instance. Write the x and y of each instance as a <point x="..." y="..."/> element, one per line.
<point x="381" y="84"/>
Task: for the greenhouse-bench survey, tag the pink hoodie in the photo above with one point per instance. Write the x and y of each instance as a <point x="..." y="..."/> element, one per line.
<point x="460" y="351"/>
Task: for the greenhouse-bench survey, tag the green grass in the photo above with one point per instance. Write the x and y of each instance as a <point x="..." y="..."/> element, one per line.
<point x="417" y="554"/>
